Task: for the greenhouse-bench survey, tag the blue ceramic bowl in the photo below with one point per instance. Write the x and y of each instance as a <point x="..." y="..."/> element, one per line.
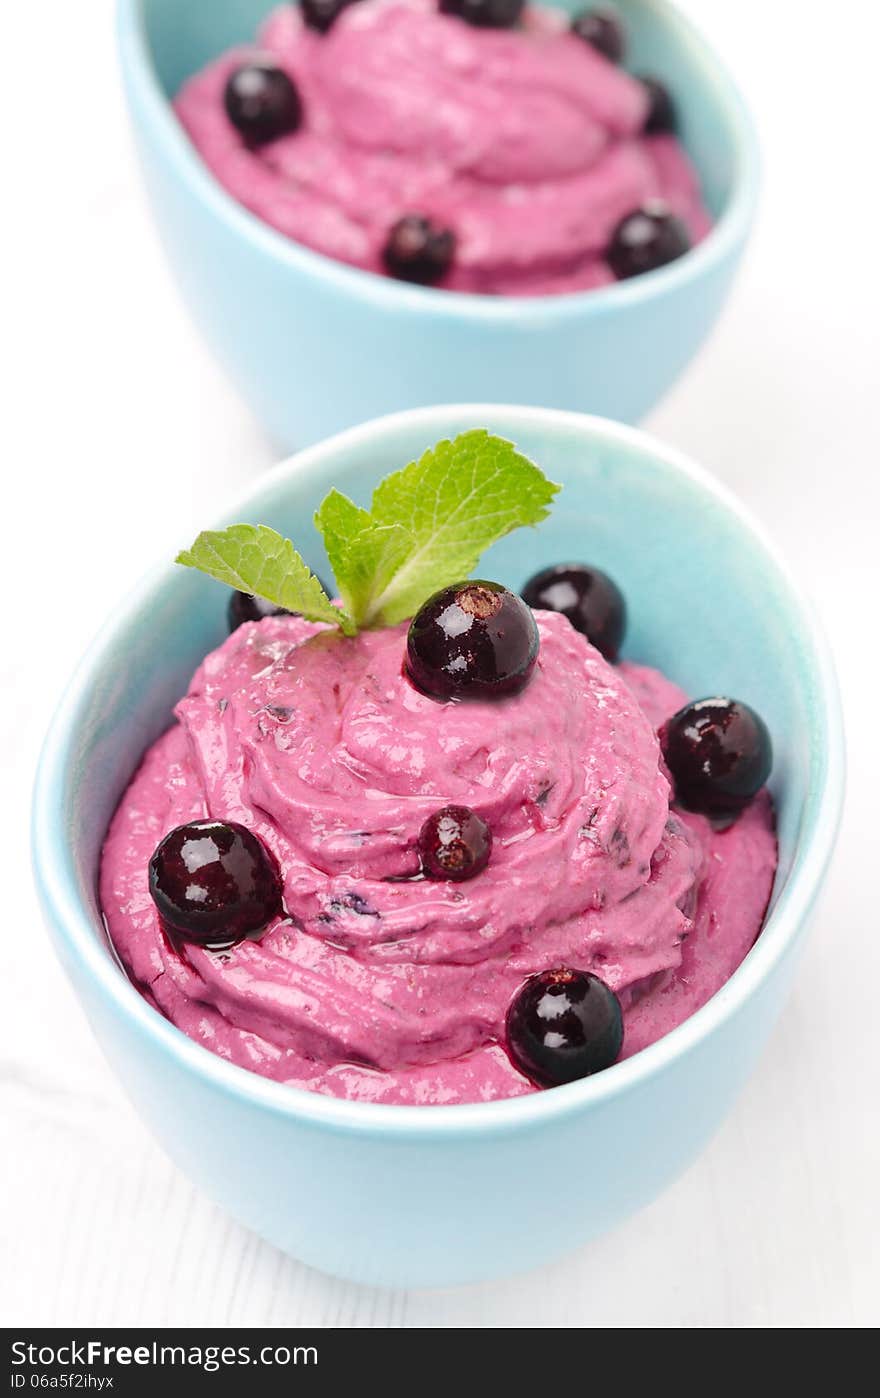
<point x="436" y="1195"/>
<point x="315" y="346"/>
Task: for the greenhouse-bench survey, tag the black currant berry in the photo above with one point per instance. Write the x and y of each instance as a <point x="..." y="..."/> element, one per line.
<point x="603" y="28"/>
<point x="661" y="118"/>
<point x="418" y="250"/>
<point x="485" y="14"/>
<point x="474" y="640"/>
<point x="592" y="602"/>
<point x="455" y="843"/>
<point x="563" y="1025"/>
<point x="322" y="14"/>
<point x="647" y="238"/>
<point x="719" y="755"/>
<point x="244" y="606"/>
<point x="214" y="881"/>
<point x="262" y="102"/>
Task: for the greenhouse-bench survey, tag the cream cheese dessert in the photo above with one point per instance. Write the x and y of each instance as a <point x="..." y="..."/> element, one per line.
<point x="478" y="145"/>
<point x="430" y="853"/>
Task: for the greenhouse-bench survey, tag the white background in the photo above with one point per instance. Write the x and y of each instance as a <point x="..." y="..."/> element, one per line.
<point x="120" y="438"/>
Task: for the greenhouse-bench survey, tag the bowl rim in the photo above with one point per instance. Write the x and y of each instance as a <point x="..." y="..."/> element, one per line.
<point x="72" y="925"/>
<point x="727" y="235"/>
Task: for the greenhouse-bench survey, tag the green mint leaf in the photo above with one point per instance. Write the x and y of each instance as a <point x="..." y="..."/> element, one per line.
<point x="426" y="529"/>
<point x="364" y="555"/>
<point x="456" y="500"/>
<point x="253" y="558"/>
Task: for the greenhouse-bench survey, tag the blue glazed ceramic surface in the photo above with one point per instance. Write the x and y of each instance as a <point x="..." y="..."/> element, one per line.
<point x="436" y="1195"/>
<point x="314" y="346"/>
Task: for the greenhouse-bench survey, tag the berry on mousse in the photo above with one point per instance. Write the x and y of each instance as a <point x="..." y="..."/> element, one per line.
<point x="591" y="600"/>
<point x="719" y="755"/>
<point x="646" y="239"/>
<point x="480" y="900"/>
<point x="214" y="881"/>
<point x="564" y="1025"/>
<point x="603" y="28"/>
<point x="661" y="117"/>
<point x="322" y="14"/>
<point x="454" y="843"/>
<point x="262" y="102"/>
<point x="244" y="606"/>
<point x="485" y="14"/>
<point x="489" y="147"/>
<point x="418" y="250"/>
<point x="476" y="640"/>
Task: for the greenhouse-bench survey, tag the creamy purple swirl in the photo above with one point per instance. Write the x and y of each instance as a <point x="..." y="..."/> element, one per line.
<point x="378" y="984"/>
<point x="527" y="143"/>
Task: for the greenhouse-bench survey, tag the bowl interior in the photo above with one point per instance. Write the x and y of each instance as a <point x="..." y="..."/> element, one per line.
<point x="182" y="38"/>
<point x="708" y="604"/>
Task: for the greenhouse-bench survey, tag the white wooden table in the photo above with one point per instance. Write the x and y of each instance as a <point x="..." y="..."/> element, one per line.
<point x="117" y="414"/>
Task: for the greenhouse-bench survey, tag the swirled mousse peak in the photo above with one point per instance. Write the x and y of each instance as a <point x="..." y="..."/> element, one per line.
<point x="425" y="844"/>
<point x="477" y="145"/>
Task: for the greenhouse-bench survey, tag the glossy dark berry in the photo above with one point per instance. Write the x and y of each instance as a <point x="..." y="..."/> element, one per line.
<point x="418" y="250"/>
<point x="592" y="602"/>
<point x="214" y="882"/>
<point x="719" y="755"/>
<point x="455" y="843"/>
<point x="262" y="102"/>
<point x="485" y="14"/>
<point x="563" y="1025"/>
<point x="243" y="606"/>
<point x="474" y="640"/>
<point x="322" y="14"/>
<point x="647" y="238"/>
<point x="603" y="28"/>
<point x="662" y="117"/>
